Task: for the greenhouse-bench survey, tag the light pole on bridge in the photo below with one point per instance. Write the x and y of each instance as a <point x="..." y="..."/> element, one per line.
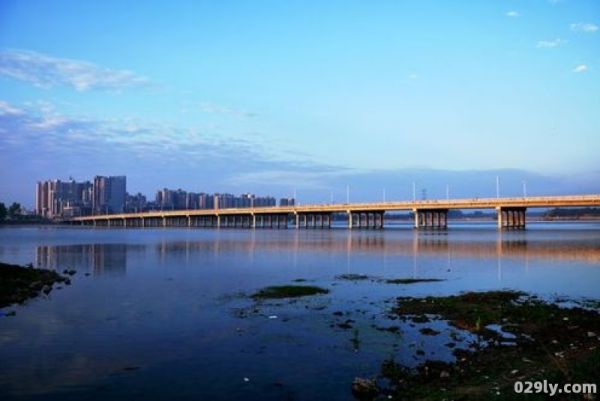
<point x="497" y="186"/>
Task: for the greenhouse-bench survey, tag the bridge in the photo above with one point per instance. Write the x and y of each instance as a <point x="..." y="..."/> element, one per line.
<point x="428" y="214"/>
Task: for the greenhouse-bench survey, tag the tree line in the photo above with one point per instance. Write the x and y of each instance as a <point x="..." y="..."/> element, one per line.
<point x="13" y="212"/>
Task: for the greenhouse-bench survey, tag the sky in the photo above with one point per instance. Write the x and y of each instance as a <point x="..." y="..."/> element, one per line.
<point x="302" y="97"/>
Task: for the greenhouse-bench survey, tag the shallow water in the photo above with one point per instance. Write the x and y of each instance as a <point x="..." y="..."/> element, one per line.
<point x="165" y="313"/>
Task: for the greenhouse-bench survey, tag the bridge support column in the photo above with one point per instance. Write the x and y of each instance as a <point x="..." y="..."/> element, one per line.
<point x="511" y="217"/>
<point x="379" y="220"/>
<point x="431" y="219"/>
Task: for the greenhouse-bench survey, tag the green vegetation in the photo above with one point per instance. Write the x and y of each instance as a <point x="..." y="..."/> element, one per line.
<point x="352" y="277"/>
<point x="14" y="215"/>
<point x="573" y="213"/>
<point x="412" y="280"/>
<point x="288" y="291"/>
<point x="19" y="283"/>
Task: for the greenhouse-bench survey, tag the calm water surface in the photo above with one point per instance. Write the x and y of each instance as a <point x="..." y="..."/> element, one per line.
<point x="165" y="313"/>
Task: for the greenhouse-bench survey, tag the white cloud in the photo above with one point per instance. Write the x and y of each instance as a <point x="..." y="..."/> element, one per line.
<point x="212" y="108"/>
<point x="7" y="109"/>
<point x="47" y="71"/>
<point x="548" y="44"/>
<point x="513" y="14"/>
<point x="40" y="123"/>
<point x="580" y="68"/>
<point x="584" y="27"/>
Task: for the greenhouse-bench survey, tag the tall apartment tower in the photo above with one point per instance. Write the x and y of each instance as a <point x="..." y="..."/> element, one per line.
<point x="109" y="194"/>
<point x="42" y="204"/>
<point x="56" y="198"/>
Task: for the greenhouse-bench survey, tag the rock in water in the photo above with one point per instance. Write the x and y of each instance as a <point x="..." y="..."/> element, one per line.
<point x="364" y="389"/>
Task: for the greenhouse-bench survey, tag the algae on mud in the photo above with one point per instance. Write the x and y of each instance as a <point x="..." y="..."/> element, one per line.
<point x="288" y="291"/>
<point x="412" y="280"/>
<point x="19" y="283"/>
<point x="352" y="277"/>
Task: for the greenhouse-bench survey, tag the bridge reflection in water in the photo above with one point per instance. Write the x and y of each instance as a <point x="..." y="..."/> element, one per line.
<point x="111" y="259"/>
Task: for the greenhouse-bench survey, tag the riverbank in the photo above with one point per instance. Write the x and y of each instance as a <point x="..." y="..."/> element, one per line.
<point x="20" y="283"/>
<point x="495" y="339"/>
<point x="518" y="338"/>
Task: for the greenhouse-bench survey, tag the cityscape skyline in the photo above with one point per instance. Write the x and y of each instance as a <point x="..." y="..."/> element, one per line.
<point x="108" y="195"/>
<point x="272" y="98"/>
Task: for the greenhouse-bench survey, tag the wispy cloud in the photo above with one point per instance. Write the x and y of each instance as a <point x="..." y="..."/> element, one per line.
<point x="212" y="108"/>
<point x="549" y="44"/>
<point x="580" y="68"/>
<point x="8" y="109"/>
<point x="47" y="71"/>
<point x="153" y="152"/>
<point x="584" y="27"/>
<point x="39" y="123"/>
<point x="513" y="14"/>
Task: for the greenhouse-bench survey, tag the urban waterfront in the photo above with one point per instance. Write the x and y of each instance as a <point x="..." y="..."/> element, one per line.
<point x="168" y="312"/>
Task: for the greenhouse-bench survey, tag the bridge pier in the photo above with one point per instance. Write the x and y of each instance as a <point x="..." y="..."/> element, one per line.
<point x="511" y="217"/>
<point x="365" y="219"/>
<point x="431" y="218"/>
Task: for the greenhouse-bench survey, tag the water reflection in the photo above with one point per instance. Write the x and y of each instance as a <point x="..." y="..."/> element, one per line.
<point x="111" y="259"/>
<point x="99" y="259"/>
<point x="378" y="243"/>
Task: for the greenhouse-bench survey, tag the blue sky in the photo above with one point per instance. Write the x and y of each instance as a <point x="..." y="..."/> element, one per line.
<point x="274" y="96"/>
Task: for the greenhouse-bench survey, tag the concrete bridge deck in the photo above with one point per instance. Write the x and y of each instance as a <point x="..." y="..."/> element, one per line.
<point x="428" y="213"/>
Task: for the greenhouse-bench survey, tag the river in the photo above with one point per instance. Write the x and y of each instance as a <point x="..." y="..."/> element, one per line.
<point x="166" y="313"/>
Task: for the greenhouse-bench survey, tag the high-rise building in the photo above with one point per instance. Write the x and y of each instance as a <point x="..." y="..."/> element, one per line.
<point x="287" y="202"/>
<point x="135" y="203"/>
<point x="264" y="201"/>
<point x="109" y="194"/>
<point x="56" y="198"/>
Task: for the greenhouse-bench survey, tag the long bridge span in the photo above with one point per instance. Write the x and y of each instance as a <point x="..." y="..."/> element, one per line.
<point x="428" y="214"/>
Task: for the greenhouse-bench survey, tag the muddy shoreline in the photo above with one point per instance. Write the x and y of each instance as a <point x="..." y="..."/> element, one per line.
<point x="21" y="283"/>
<point x="496" y="338"/>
